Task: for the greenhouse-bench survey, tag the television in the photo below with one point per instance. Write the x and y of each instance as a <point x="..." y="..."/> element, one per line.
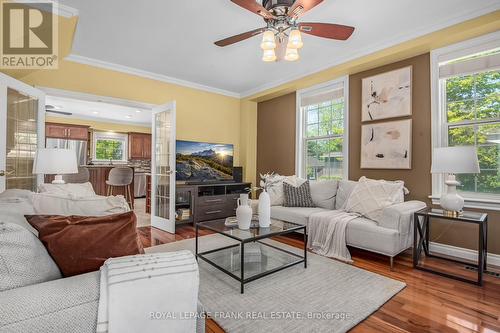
<point x="203" y="162"/>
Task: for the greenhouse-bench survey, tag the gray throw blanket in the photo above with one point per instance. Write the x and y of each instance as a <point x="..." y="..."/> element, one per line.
<point x="327" y="234"/>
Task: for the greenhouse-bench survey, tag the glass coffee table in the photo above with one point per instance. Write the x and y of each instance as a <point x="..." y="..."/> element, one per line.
<point x="251" y="258"/>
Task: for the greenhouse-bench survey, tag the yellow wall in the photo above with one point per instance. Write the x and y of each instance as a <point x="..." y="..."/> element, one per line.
<point x="100" y="125"/>
<point x="248" y="139"/>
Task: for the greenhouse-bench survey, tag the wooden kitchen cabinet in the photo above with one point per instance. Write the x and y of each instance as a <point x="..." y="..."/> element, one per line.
<point x="139" y="146"/>
<point x="66" y="131"/>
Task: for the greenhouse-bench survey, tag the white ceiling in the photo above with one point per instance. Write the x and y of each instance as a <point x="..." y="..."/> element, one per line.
<point x="174" y="39"/>
<point x="99" y="111"/>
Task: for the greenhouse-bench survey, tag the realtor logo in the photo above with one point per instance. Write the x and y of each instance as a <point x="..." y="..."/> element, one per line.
<point x="29" y="35"/>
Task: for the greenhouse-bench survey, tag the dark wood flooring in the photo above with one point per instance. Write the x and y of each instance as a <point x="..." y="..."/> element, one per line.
<point x="429" y="303"/>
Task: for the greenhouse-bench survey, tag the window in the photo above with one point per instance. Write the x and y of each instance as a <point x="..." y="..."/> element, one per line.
<point x="469" y="114"/>
<point x="110" y="146"/>
<point x="322" y="131"/>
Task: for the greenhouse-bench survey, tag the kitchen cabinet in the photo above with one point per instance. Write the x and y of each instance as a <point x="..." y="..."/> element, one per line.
<point x="139" y="146"/>
<point x="66" y="131"/>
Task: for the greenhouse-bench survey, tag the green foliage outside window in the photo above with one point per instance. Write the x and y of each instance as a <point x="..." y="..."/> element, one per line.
<point x="324" y="140"/>
<point x="109" y="149"/>
<point x="473" y="110"/>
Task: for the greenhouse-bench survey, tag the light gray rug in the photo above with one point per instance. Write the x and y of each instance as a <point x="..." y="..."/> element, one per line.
<point x="328" y="296"/>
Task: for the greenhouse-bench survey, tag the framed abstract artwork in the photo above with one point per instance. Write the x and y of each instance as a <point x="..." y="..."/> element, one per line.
<point x="386" y="145"/>
<point x="387" y="95"/>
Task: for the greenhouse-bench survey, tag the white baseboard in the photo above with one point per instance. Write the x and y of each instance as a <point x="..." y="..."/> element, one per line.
<point x="462" y="253"/>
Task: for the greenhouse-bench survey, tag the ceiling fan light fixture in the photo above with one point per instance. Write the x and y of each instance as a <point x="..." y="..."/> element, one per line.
<point x="291" y="54"/>
<point x="269" y="56"/>
<point x="268" y="41"/>
<point x="295" y="39"/>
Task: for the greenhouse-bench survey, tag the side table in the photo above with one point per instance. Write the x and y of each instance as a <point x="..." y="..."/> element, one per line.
<point x="421" y="228"/>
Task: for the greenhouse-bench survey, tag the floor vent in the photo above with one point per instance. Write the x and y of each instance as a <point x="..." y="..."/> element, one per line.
<point x="495" y="274"/>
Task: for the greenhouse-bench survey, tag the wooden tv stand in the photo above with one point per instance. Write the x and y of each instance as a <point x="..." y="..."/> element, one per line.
<point x="205" y="201"/>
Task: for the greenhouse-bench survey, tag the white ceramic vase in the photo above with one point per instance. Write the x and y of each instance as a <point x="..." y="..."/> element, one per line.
<point x="264" y="210"/>
<point x="244" y="212"/>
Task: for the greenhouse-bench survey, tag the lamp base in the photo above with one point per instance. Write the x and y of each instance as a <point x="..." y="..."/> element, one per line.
<point x="58" y="180"/>
<point x="452" y="202"/>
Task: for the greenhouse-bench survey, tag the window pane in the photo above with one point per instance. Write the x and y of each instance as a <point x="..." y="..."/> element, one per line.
<point x="312" y="130"/>
<point x="488" y="107"/>
<point x="461" y="136"/>
<point x="460" y="111"/>
<point x="312" y="116"/>
<point x="487" y="83"/>
<point x="107" y="149"/>
<point x="460" y="88"/>
<point x="324" y="159"/>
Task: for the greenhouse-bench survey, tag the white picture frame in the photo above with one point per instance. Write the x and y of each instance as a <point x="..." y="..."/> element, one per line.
<point x="386" y="145"/>
<point x="387" y="95"/>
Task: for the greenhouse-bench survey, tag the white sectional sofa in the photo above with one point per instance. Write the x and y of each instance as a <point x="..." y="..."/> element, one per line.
<point x="389" y="236"/>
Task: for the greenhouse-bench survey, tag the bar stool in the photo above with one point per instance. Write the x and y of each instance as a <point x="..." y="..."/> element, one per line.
<point x="121" y="177"/>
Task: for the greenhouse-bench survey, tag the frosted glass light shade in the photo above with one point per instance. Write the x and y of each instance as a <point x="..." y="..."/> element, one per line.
<point x="268" y="41"/>
<point x="55" y="162"/>
<point x="291" y="54"/>
<point x="460" y="159"/>
<point x="295" y="39"/>
<point x="269" y="56"/>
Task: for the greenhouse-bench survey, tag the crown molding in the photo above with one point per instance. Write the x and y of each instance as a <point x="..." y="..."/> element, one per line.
<point x="375" y="48"/>
<point x="149" y="75"/>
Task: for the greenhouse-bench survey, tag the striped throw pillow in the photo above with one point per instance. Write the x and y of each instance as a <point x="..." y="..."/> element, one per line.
<point x="299" y="196"/>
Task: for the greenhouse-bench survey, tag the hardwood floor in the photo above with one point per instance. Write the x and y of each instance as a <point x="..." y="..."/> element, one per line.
<point x="429" y="303"/>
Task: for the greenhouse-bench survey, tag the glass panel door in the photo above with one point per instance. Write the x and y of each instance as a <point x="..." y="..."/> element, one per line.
<point x="163" y="168"/>
<point x="22" y="123"/>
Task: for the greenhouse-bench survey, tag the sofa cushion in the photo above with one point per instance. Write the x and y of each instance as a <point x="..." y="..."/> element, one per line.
<point x="82" y="244"/>
<point x="369" y="197"/>
<point x="82" y="190"/>
<point x="23" y="258"/>
<point x="323" y="193"/>
<point x="343" y="193"/>
<point x="297" y="196"/>
<point x="299" y="215"/>
<point x="366" y="234"/>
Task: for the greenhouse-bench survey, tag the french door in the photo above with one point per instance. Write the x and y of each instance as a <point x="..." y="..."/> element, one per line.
<point x="22" y="131"/>
<point x="163" y="168"/>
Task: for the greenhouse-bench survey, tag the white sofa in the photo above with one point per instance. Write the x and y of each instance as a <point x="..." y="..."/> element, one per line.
<point x="391" y="235"/>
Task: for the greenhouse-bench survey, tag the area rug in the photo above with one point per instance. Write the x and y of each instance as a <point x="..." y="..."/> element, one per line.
<point x="327" y="296"/>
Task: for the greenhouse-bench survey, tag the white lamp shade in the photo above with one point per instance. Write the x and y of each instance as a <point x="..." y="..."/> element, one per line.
<point x="460" y="159"/>
<point x="55" y="161"/>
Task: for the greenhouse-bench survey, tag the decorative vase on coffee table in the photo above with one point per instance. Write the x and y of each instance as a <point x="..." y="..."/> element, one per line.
<point x="264" y="210"/>
<point x="244" y="212"/>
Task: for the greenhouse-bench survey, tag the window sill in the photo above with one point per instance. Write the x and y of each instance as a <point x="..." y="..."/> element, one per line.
<point x="477" y="203"/>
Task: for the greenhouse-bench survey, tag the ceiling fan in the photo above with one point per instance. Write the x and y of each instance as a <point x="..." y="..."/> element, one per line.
<point x="281" y="26"/>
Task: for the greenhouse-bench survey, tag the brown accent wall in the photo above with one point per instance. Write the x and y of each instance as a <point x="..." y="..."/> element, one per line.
<point x="276" y="136"/>
<point x="276" y="148"/>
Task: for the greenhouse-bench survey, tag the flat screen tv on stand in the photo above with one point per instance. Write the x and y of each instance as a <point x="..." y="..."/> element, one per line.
<point x="203" y="162"/>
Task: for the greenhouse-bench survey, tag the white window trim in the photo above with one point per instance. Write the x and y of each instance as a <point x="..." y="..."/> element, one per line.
<point x="300" y="151"/>
<point x="99" y="135"/>
<point x="438" y="114"/>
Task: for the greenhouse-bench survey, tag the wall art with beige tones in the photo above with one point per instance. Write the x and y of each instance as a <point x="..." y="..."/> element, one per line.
<point x="386" y="145"/>
<point x="387" y="95"/>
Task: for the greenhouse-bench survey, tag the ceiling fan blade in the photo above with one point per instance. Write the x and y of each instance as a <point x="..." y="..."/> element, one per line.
<point x="327" y="30"/>
<point x="59" y="112"/>
<point x="240" y="37"/>
<point x="301" y="6"/>
<point x="254" y="7"/>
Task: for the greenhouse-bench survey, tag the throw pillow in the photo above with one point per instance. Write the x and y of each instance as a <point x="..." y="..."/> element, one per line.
<point x="343" y="193"/>
<point x="323" y="193"/>
<point x="299" y="196"/>
<point x="23" y="259"/>
<point x="80" y="244"/>
<point x="369" y="197"/>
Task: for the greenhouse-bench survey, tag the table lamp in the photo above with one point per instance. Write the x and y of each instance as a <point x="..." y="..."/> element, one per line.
<point x="55" y="161"/>
<point x="452" y="161"/>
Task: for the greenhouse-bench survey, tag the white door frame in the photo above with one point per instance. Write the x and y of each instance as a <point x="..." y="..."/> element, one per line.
<point x="9" y="82"/>
<point x="156" y="221"/>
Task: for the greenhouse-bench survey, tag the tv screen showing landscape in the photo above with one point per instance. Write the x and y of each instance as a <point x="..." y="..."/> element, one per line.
<point x="200" y="161"/>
